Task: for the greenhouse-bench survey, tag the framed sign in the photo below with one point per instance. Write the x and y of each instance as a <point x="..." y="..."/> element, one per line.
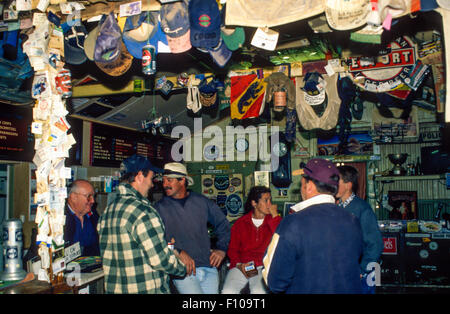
<point x="404" y="204"/>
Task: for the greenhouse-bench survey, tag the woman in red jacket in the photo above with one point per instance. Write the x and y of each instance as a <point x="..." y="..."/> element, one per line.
<point x="250" y="236"/>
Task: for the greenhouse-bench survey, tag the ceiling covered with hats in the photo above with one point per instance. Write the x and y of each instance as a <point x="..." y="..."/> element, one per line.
<point x="192" y="48"/>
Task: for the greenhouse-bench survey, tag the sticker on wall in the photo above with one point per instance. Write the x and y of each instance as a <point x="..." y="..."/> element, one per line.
<point x="387" y="71"/>
<point x="233" y="204"/>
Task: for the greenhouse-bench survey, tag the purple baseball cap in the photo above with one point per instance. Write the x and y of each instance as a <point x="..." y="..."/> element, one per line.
<point x="321" y="170"/>
<point x="109" y="39"/>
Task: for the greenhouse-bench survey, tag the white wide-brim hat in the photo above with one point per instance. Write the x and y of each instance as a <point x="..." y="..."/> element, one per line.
<point x="177" y="170"/>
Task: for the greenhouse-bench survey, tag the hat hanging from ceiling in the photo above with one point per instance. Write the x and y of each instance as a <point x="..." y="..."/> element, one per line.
<point x="109" y="39"/>
<point x="234" y="38"/>
<point x="205" y="20"/>
<point x="175" y="24"/>
<point x="347" y="14"/>
<point x="220" y="54"/>
<point x="74" y="40"/>
<point x="105" y="47"/>
<point x="118" y="66"/>
<point x="143" y="29"/>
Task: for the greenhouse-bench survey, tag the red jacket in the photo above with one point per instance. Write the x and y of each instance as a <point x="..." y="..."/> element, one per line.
<point x="249" y="243"/>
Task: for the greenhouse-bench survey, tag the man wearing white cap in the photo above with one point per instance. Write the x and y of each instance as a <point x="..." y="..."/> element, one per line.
<point x="186" y="215"/>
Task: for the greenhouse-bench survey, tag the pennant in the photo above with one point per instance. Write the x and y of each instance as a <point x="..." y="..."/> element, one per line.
<point x="247" y="96"/>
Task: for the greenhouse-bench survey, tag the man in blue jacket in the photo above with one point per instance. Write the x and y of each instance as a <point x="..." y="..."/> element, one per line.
<point x="317" y="248"/>
<point x="186" y="215"/>
<point x="81" y="220"/>
<point x="373" y="241"/>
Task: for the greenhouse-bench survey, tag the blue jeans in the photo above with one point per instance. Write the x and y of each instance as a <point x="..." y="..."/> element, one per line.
<point x="367" y="288"/>
<point x="205" y="281"/>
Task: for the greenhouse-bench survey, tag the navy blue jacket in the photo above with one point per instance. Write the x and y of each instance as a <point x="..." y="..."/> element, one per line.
<point x="89" y="239"/>
<point x="188" y="225"/>
<point x="316" y="250"/>
<point x="373" y="241"/>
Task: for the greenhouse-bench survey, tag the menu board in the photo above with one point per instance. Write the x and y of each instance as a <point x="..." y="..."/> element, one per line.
<point x="16" y="139"/>
<point x="110" y="145"/>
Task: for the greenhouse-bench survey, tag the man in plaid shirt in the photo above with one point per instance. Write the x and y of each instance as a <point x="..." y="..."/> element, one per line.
<point x="136" y="258"/>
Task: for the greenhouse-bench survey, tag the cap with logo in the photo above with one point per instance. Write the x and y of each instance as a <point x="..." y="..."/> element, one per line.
<point x="205" y="20"/>
<point x="175" y="24"/>
<point x="105" y="47"/>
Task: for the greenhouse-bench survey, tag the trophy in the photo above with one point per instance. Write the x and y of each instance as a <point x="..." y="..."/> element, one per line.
<point x="397" y="160"/>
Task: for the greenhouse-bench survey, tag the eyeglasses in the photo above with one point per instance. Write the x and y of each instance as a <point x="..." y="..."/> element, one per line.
<point x="88" y="196"/>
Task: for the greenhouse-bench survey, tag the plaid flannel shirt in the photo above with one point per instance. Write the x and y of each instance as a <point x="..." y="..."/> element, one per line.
<point x="136" y="258"/>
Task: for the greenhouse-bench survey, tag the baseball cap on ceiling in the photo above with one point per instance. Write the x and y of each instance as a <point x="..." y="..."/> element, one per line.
<point x="137" y="163"/>
<point x="220" y="54"/>
<point x="234" y="38"/>
<point x="321" y="170"/>
<point x="177" y="170"/>
<point x="140" y="30"/>
<point x="108" y="44"/>
<point x="105" y="43"/>
<point x="175" y="24"/>
<point x="347" y="14"/>
<point x="74" y="41"/>
<point x="205" y="20"/>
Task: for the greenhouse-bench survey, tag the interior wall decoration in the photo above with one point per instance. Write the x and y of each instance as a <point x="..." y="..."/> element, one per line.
<point x="385" y="129"/>
<point x="227" y="191"/>
<point x="404" y="205"/>
<point x="16" y="138"/>
<point x="51" y="87"/>
<point x="357" y="144"/>
<point x="387" y="71"/>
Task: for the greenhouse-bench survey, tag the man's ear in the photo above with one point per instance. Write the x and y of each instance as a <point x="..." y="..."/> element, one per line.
<point x="310" y="187"/>
<point x="139" y="177"/>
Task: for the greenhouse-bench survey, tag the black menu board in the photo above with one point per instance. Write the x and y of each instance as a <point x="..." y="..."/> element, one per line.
<point x="16" y="139"/>
<point x="110" y="145"/>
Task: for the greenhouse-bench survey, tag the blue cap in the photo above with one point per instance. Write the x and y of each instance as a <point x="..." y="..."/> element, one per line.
<point x="205" y="20"/>
<point x="74" y="44"/>
<point x="137" y="163"/>
<point x="134" y="45"/>
<point x="174" y="19"/>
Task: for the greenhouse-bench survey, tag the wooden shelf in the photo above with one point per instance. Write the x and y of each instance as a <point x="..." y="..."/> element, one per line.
<point x="402" y="178"/>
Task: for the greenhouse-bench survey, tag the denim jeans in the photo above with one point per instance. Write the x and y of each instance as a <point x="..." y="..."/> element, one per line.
<point x="236" y="281"/>
<point x="205" y="281"/>
<point x="367" y="288"/>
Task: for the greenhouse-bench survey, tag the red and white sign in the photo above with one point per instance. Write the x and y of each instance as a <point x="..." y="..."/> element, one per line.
<point x="390" y="246"/>
<point x="386" y="72"/>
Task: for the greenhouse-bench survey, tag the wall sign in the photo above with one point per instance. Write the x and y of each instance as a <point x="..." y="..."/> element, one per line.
<point x="386" y="72"/>
<point x="16" y="139"/>
<point x="111" y="145"/>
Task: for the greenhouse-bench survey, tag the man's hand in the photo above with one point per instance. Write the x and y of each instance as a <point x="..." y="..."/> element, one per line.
<point x="188" y="262"/>
<point x="241" y="267"/>
<point x="216" y="257"/>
